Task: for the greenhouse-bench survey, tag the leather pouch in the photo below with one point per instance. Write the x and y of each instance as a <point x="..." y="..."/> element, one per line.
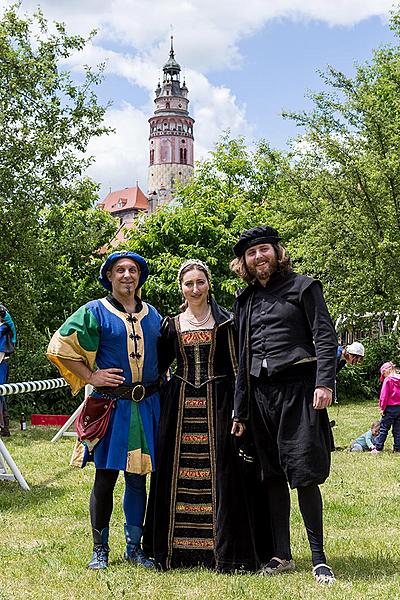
<point x="92" y="422"/>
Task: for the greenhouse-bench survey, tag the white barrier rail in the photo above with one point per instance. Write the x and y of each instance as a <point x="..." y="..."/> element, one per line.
<point x="8" y="389"/>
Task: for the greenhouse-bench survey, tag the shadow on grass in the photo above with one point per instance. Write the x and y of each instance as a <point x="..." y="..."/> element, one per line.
<point x="14" y="499"/>
<point x="32" y="434"/>
<point x="348" y="568"/>
<point x="364" y="568"/>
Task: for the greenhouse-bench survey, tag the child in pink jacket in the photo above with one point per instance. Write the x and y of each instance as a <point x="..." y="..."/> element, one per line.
<point x="389" y="404"/>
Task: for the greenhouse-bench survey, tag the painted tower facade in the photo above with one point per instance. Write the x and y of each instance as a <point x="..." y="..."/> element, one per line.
<point x="171" y="136"/>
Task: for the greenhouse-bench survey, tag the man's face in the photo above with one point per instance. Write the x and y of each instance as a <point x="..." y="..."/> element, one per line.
<point x="261" y="261"/>
<point x="124" y="276"/>
<point x="354" y="359"/>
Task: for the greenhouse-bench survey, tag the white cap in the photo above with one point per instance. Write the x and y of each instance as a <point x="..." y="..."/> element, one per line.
<point x="356" y="348"/>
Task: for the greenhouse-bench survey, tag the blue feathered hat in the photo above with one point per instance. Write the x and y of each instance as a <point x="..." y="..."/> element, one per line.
<point x="107" y="264"/>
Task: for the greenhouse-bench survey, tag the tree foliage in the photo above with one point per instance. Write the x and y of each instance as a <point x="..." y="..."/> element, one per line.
<point x="335" y="196"/>
<point x="345" y="181"/>
<point x="50" y="231"/>
<point x="227" y="194"/>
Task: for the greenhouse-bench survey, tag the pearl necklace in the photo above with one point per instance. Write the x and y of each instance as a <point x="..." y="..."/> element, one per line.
<point x="198" y="323"/>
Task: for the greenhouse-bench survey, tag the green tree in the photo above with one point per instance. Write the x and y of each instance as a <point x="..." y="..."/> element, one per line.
<point x="50" y="231"/>
<point x="228" y="193"/>
<point x="344" y="183"/>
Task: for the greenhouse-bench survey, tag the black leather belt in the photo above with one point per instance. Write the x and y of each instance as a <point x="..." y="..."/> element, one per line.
<point x="136" y="391"/>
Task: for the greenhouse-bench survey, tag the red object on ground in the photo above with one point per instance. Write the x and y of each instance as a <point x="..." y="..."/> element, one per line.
<point x="49" y="419"/>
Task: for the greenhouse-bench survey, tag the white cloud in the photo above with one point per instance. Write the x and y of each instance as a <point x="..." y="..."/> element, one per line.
<point x="133" y="38"/>
<point x="208" y="30"/>
<point x="121" y="157"/>
<point x="215" y="110"/>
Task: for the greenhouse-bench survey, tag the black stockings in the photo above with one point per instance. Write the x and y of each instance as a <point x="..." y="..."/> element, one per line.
<point x="310" y="503"/>
<point x="101" y="498"/>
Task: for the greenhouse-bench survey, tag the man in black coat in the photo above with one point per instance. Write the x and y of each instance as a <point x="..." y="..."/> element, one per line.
<point x="286" y="376"/>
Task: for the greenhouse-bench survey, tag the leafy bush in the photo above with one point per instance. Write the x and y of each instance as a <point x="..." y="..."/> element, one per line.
<point x="361" y="382"/>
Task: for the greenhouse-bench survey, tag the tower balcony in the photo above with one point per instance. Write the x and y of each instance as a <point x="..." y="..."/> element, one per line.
<point x="158" y="133"/>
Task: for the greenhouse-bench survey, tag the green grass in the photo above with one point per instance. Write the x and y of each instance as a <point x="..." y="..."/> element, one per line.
<point x="45" y="540"/>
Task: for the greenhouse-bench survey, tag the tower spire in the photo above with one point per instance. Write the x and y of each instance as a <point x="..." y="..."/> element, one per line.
<point x="171" y="135"/>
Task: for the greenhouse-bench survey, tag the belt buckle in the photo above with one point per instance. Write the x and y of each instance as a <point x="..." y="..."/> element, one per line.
<point x="138" y="392"/>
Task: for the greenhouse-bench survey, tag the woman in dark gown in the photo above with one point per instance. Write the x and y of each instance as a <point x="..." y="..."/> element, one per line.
<point x="198" y="512"/>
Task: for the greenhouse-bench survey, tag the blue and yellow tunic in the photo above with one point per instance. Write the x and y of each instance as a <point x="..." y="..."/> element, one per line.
<point x="102" y="334"/>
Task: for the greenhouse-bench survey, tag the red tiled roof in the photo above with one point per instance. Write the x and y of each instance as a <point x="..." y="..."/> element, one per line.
<point x="131" y="197"/>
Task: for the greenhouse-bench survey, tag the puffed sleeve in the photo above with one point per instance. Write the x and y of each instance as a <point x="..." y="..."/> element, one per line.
<point x="77" y="339"/>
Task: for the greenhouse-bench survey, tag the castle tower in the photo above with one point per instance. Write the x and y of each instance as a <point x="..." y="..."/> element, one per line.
<point x="171" y="136"/>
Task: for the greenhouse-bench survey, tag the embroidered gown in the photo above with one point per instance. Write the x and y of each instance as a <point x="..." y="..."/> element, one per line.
<point x="101" y="333"/>
<point x="198" y="510"/>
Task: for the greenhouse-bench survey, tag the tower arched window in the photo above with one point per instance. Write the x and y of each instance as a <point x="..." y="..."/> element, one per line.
<point x="183" y="156"/>
<point x="152" y="156"/>
<point x="167" y="105"/>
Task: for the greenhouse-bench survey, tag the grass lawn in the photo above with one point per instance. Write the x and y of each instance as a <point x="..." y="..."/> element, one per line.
<point x="45" y="539"/>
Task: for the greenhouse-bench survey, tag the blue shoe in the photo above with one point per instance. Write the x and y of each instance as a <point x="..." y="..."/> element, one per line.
<point x="100" y="550"/>
<point x="134" y="552"/>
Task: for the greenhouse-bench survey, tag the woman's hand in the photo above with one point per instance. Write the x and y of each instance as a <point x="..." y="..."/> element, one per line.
<point x="106" y="378"/>
<point x="238" y="428"/>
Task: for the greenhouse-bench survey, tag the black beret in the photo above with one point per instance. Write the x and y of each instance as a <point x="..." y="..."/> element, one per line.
<point x="263" y="234"/>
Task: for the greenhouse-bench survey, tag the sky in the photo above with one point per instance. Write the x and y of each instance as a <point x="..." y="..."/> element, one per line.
<point x="244" y="62"/>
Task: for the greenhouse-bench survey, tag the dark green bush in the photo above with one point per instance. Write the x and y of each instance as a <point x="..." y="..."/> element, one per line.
<point x="361" y="382"/>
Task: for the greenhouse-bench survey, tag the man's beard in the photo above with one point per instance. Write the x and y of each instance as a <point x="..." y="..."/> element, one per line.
<point x="129" y="289"/>
<point x="263" y="274"/>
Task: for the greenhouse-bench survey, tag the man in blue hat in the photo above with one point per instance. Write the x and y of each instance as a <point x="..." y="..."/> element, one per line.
<point x="286" y="375"/>
<point x="111" y="343"/>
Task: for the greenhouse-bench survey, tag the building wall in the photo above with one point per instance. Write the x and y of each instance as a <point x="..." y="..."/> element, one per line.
<point x="160" y="176"/>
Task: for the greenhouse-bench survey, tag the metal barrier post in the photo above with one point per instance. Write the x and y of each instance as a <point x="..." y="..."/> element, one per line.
<point x="16" y="473"/>
<point x="73" y="417"/>
<point x="8" y="389"/>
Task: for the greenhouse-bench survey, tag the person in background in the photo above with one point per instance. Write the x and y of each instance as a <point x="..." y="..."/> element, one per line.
<point x="389" y="404"/>
<point x="6" y="349"/>
<point x="111" y="344"/>
<point x="353" y="354"/>
<point x="366" y="441"/>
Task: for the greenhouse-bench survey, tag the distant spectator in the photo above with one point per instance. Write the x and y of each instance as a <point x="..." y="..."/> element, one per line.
<point x="352" y="354"/>
<point x="367" y="440"/>
<point x="6" y="348"/>
<point x="389" y="404"/>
